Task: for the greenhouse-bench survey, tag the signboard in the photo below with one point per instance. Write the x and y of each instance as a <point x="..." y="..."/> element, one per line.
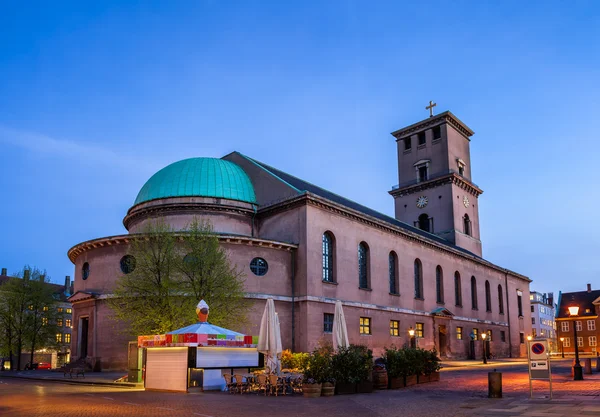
<point x="538" y="359"/>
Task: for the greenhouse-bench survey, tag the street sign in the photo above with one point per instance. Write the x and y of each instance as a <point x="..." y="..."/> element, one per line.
<point x="538" y="358"/>
<point x="538" y="350"/>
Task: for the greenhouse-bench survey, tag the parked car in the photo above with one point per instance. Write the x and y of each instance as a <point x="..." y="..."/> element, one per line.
<point x="42" y="365"/>
<point x="30" y="366"/>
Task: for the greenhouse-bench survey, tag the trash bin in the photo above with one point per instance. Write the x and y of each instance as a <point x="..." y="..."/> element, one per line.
<point x="494" y="384"/>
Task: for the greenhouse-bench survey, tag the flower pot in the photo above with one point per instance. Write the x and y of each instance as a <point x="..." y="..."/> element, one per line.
<point x="311" y="390"/>
<point x="327" y="389"/>
<point x="422" y="379"/>
<point x="342" y="388"/>
<point x="380" y="379"/>
<point x="364" y="387"/>
<point x="396" y="383"/>
<point x="411" y="380"/>
<point x="434" y="377"/>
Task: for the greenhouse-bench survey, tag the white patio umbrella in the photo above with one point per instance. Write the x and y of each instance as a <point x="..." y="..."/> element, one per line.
<point x="269" y="338"/>
<point x="340" y="331"/>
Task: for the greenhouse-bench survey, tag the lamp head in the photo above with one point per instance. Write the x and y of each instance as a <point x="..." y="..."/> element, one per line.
<point x="529" y="337"/>
<point x="574" y="310"/>
<point x="411" y="332"/>
<point x="562" y="339"/>
<point x="483" y="336"/>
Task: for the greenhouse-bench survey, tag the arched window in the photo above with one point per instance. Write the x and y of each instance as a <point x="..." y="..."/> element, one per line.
<point x="488" y="296"/>
<point x="363" y="265"/>
<point x="473" y="293"/>
<point x="457" y="289"/>
<point x="500" y="300"/>
<point x="467" y="225"/>
<point x="439" y="284"/>
<point x="424" y="223"/>
<point x="328" y="247"/>
<point x="418" y="279"/>
<point x="393" y="272"/>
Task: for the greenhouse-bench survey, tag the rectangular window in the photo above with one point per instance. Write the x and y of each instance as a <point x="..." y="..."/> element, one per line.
<point x="564" y="326"/>
<point x="69" y="311"/>
<point x="475" y="334"/>
<point x="592" y="340"/>
<point x="422" y="173"/>
<point x="533" y="320"/>
<point x="522" y="338"/>
<point x="567" y="342"/>
<point x="591" y="325"/>
<point x="59" y="322"/>
<point x="459" y="333"/>
<point x="67" y="337"/>
<point x="520" y="303"/>
<point x="365" y="325"/>
<point x="489" y="335"/>
<point x="59" y="337"/>
<point x="44" y="321"/>
<point x="461" y="170"/>
<point x="419" y="330"/>
<point x="59" y="310"/>
<point x="534" y="332"/>
<point x="421" y="138"/>
<point x="532" y="308"/>
<point x="437" y="132"/>
<point x="328" y="323"/>
<point x="68" y="322"/>
<point x="579" y="325"/>
<point x="45" y="308"/>
<point x="394" y="328"/>
<point x="579" y="341"/>
<point x="407" y="143"/>
<point x="502" y="336"/>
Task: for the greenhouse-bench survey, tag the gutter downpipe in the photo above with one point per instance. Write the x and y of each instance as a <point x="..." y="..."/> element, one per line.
<point x="253" y="216"/>
<point x="293" y="252"/>
<point x="510" y="355"/>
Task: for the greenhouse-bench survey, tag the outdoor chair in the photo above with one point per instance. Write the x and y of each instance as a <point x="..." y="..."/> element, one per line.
<point x="229" y="383"/>
<point x="275" y="383"/>
<point x="240" y="384"/>
<point x="262" y="383"/>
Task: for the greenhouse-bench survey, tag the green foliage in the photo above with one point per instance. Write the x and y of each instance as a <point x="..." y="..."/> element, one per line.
<point x="319" y="366"/>
<point x="410" y="361"/>
<point x="297" y="360"/>
<point x="174" y="270"/>
<point x="352" y="364"/>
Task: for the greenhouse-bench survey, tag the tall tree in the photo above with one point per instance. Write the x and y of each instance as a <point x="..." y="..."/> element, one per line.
<point x="172" y="271"/>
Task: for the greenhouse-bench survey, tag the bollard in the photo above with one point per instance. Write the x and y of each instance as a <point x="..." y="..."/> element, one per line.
<point x="494" y="384"/>
<point x="587" y="368"/>
<point x="597" y="364"/>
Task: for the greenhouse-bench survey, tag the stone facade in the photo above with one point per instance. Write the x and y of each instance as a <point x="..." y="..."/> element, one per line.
<point x="285" y="226"/>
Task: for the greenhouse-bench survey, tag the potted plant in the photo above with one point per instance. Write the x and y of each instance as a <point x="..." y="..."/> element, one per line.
<point x="412" y="366"/>
<point x="363" y="358"/>
<point x="342" y="367"/>
<point x="432" y="366"/>
<point x="380" y="375"/>
<point x="328" y="387"/>
<point x="318" y="371"/>
<point x="421" y="358"/>
<point x="396" y="365"/>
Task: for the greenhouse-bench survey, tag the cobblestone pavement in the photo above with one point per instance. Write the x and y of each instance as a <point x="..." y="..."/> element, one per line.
<point x="460" y="393"/>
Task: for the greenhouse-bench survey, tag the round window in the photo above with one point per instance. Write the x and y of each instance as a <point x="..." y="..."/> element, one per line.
<point x="259" y="266"/>
<point x="85" y="271"/>
<point x="127" y="264"/>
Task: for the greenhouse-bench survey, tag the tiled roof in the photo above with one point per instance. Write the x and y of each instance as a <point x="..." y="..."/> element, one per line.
<point x="583" y="299"/>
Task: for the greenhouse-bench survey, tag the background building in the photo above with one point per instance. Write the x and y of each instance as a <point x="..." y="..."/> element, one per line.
<point x="543" y="312"/>
<point x="587" y="321"/>
<point x="307" y="247"/>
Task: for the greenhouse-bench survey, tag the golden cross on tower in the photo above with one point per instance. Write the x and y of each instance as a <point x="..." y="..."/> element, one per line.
<point x="430" y="108"/>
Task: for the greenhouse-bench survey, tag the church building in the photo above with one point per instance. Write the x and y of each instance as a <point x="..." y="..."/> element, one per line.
<point x="307" y="247"/>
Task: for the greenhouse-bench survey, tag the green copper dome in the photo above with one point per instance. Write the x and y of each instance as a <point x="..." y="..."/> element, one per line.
<point x="199" y="177"/>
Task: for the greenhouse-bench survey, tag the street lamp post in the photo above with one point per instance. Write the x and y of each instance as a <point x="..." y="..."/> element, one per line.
<point x="411" y="333"/>
<point x="483" y="336"/>
<point x="577" y="370"/>
<point x="562" y="346"/>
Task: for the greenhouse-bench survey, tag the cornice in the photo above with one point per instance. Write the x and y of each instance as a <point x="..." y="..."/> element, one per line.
<point x="182" y="208"/>
<point x="445" y="117"/>
<point x="451" y="178"/>
<point x="83" y="247"/>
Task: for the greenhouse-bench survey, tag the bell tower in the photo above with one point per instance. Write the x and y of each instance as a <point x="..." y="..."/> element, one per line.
<point x="435" y="192"/>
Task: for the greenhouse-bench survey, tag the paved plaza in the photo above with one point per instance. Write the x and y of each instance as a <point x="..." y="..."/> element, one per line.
<point x="461" y="392"/>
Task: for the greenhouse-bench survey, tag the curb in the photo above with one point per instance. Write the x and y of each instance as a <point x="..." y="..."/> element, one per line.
<point x="75" y="382"/>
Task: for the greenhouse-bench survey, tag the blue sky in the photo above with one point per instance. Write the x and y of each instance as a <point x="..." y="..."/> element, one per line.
<point x="94" y="98"/>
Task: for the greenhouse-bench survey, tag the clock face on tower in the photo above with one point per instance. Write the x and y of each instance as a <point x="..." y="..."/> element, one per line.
<point x="466" y="201"/>
<point x="422" y="201"/>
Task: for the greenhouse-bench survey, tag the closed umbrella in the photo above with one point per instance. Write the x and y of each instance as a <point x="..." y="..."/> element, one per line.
<point x="340" y="331"/>
<point x="269" y="338"/>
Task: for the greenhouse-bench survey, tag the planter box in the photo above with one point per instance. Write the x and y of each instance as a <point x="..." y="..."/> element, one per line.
<point x="422" y="379"/>
<point x="311" y="390"/>
<point x="364" y="387"/>
<point x="327" y="389"/>
<point x="397" y="383"/>
<point x="411" y="380"/>
<point x="434" y="377"/>
<point x="342" y="388"/>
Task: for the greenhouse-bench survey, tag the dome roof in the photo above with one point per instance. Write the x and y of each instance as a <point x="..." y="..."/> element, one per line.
<point x="199" y="177"/>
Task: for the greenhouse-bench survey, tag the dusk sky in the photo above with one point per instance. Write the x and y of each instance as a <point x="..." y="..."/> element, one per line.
<point x="96" y="97"/>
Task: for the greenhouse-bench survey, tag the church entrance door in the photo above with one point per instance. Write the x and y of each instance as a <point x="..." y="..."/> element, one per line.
<point x="442" y="338"/>
<point x="83" y="343"/>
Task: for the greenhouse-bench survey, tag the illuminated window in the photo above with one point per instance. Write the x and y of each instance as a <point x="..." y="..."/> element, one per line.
<point x="45" y="308"/>
<point x="591" y="325"/>
<point x="59" y="310"/>
<point x="394" y="328"/>
<point x="365" y="325"/>
<point x="564" y="326"/>
<point x="419" y="329"/>
<point x="579" y="341"/>
<point x="68" y="322"/>
<point x="59" y="322"/>
<point x="475" y="334"/>
<point x="59" y="337"/>
<point x="459" y="333"/>
<point x="592" y="340"/>
<point x="327" y="322"/>
<point x="30" y="307"/>
<point x="567" y="342"/>
<point x="579" y="325"/>
<point x="67" y="337"/>
<point x="69" y="311"/>
<point x="489" y="335"/>
<point x="44" y="321"/>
